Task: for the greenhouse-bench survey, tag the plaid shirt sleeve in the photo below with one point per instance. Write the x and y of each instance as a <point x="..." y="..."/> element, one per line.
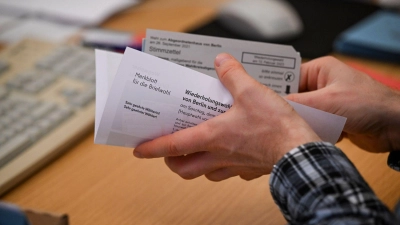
<point x="317" y="184"/>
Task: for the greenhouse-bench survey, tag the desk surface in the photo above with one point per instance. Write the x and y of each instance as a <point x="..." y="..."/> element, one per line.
<point x="96" y="184"/>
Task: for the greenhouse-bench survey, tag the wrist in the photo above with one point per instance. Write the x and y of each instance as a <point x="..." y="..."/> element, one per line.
<point x="295" y="137"/>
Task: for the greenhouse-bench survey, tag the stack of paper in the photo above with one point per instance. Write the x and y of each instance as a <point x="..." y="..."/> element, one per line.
<point x="140" y="97"/>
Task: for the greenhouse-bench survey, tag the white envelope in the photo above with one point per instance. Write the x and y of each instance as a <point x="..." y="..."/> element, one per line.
<point x="140" y="97"/>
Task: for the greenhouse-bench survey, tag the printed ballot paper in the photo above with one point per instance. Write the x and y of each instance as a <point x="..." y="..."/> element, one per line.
<point x="275" y="66"/>
<point x="140" y="97"/>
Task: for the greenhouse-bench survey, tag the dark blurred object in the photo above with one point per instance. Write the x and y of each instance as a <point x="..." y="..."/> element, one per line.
<point x="46" y="218"/>
<point x="11" y="214"/>
<point x="394" y="161"/>
<point x="390" y="4"/>
<point x="376" y="37"/>
<point x="323" y="21"/>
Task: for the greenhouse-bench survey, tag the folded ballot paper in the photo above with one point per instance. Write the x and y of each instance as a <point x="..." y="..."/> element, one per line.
<point x="140" y="97"/>
<point x="276" y="66"/>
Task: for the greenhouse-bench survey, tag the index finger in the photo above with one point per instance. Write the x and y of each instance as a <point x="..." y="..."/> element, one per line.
<point x="187" y="141"/>
<point x="316" y="74"/>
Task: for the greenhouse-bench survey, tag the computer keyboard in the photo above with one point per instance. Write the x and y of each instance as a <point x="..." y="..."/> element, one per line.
<point x="47" y="94"/>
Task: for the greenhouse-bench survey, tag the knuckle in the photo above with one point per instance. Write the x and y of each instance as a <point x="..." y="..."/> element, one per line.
<point x="328" y="59"/>
<point x="183" y="171"/>
<point x="250" y="175"/>
<point x="246" y="177"/>
<point x="172" y="149"/>
<point x="244" y="94"/>
<point x="228" y="69"/>
<point x="214" y="178"/>
<point x="186" y="174"/>
<point x="169" y="162"/>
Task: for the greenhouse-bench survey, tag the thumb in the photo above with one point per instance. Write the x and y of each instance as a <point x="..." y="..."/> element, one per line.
<point x="232" y="75"/>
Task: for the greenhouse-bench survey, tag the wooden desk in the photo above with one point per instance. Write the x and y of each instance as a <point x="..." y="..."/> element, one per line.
<point x="97" y="184"/>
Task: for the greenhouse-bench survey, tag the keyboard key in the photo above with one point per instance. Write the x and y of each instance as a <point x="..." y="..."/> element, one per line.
<point x="26" y="121"/>
<point x="68" y="92"/>
<point x="5" y="120"/>
<point x="34" y="133"/>
<point x="59" y="115"/>
<point x="42" y="110"/>
<point x="82" y="99"/>
<point x="3" y="92"/>
<point x="2" y="140"/>
<point x="8" y="133"/>
<point x="13" y="147"/>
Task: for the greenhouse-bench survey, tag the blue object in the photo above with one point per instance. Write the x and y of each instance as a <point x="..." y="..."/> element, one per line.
<point x="377" y="36"/>
<point x="12" y="215"/>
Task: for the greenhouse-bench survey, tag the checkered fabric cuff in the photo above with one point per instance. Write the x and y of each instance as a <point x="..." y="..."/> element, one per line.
<point x="315" y="183"/>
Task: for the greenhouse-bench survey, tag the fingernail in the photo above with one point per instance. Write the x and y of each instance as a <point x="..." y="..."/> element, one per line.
<point x="137" y="154"/>
<point x="221" y="58"/>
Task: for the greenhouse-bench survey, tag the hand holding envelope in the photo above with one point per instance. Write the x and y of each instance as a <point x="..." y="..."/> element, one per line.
<point x="247" y="140"/>
<point x="221" y="119"/>
<point x="371" y="108"/>
<point x="129" y="112"/>
<point x="140" y="97"/>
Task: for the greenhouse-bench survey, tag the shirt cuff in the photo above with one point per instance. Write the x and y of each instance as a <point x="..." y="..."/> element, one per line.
<point x="316" y="180"/>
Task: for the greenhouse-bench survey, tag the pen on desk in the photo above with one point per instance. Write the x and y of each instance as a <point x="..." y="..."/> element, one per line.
<point x="111" y="40"/>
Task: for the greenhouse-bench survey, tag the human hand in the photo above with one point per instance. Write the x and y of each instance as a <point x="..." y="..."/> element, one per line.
<point x="372" y="109"/>
<point x="247" y="140"/>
